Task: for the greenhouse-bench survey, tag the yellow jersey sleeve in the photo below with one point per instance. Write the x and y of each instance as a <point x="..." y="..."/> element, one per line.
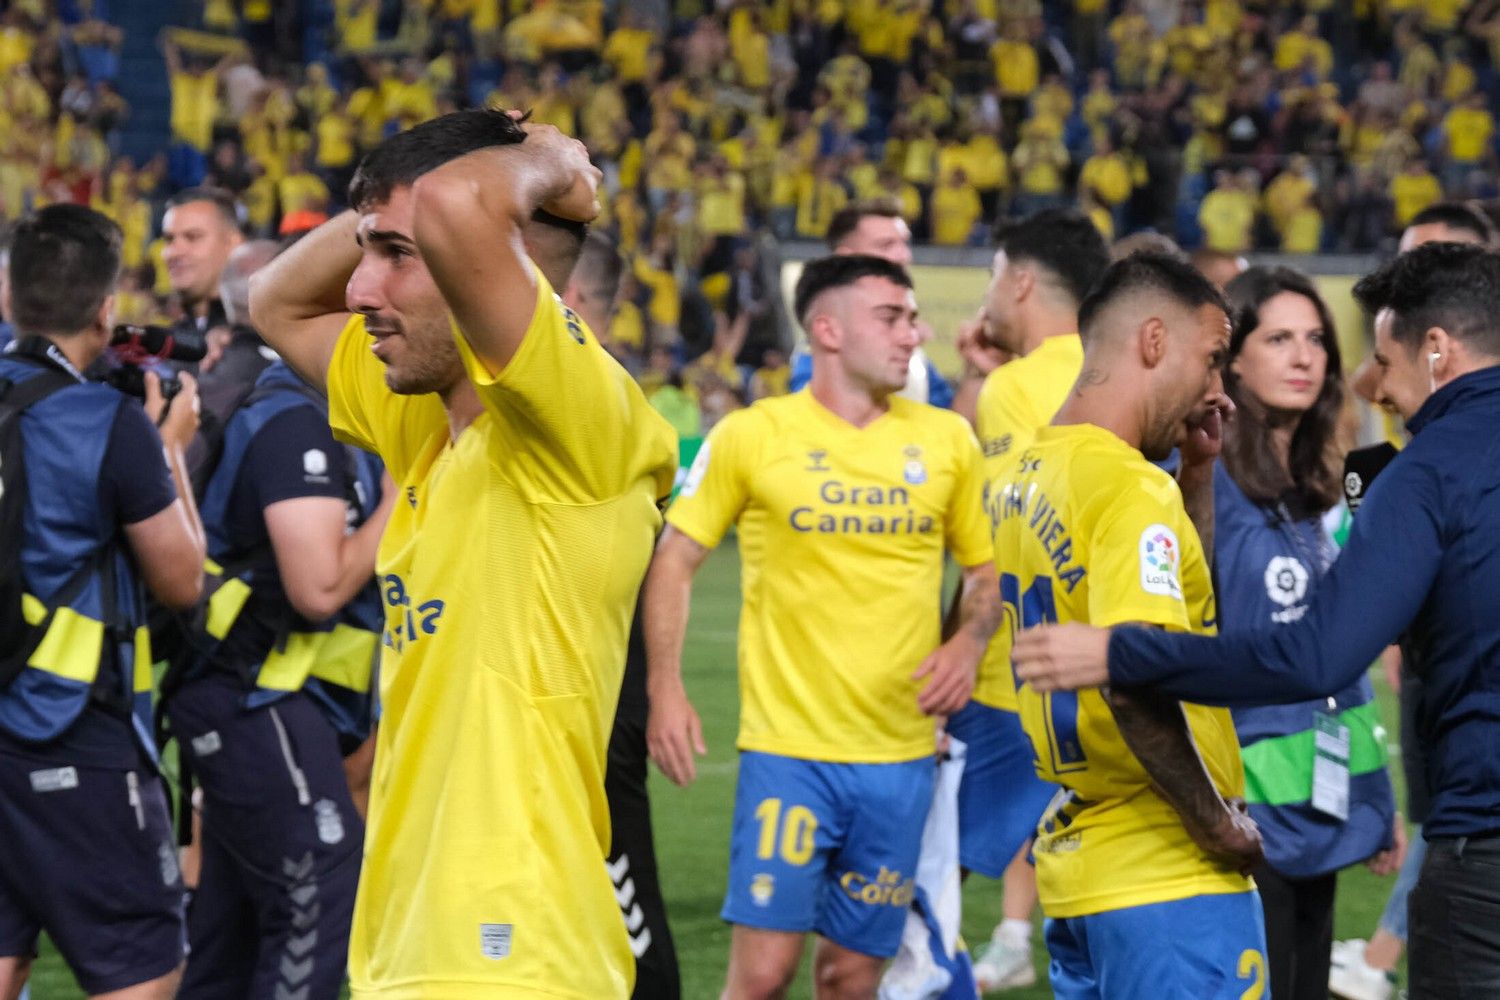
<point x="1137" y="551"/>
<point x="967" y="529"/>
<point x="717" y="486"/>
<point x="581" y="427"/>
<point x="1004" y="417"/>
<point x="364" y="412"/>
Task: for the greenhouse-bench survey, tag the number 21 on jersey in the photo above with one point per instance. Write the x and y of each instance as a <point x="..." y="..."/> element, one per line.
<point x="1027" y="609"/>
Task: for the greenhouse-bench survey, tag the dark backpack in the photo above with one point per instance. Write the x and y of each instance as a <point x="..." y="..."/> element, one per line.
<point x="18" y="637"/>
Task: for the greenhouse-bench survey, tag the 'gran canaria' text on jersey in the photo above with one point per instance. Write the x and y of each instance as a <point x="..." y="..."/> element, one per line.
<point x="849" y="508"/>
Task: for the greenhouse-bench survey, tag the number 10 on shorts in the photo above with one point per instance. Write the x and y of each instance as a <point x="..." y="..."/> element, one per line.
<point x="792" y="832"/>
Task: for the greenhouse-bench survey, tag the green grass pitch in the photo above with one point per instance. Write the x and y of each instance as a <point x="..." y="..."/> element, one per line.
<point x="692" y="824"/>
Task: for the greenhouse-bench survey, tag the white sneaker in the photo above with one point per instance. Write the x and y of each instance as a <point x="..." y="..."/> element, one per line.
<point x="1352" y="978"/>
<point x="914" y="976"/>
<point x="1000" y="965"/>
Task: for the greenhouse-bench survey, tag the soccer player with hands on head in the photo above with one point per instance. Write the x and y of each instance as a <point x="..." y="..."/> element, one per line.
<point x="521" y="452"/>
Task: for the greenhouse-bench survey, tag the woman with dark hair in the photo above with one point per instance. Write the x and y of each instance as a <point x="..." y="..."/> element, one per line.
<point x="1315" y="772"/>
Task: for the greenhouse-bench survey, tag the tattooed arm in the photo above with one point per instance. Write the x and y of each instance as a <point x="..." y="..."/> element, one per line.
<point x="1155" y="728"/>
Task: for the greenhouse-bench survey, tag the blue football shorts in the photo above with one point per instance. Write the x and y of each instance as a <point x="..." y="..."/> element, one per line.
<point x="826" y="847"/>
<point x="1199" y="948"/>
<point x="1000" y="799"/>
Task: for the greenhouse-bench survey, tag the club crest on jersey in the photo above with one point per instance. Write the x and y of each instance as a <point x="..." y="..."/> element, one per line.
<point x="915" y="472"/>
<point x="762" y="888"/>
<point x="817" y="461"/>
<point x="1161" y="558"/>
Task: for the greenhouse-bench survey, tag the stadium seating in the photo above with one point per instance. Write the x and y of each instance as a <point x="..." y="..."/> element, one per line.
<point x="1242" y="124"/>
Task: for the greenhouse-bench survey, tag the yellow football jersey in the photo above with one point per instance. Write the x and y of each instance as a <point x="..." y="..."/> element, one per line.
<point x="1015" y="401"/>
<point x="1086" y="530"/>
<point x="842" y="532"/>
<point x="509" y="570"/>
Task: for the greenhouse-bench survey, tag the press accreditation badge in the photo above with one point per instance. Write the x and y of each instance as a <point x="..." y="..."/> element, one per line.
<point x="1330" y="786"/>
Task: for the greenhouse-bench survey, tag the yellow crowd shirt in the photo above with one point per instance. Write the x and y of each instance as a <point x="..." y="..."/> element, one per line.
<point x="955" y="210"/>
<point x="1088" y="531"/>
<point x="1469" y="131"/>
<point x="1303" y="232"/>
<point x="628" y="50"/>
<point x="509" y="571"/>
<point x="1227" y="217"/>
<point x="1412" y="193"/>
<point x="1017" y="69"/>
<point x="1016" y="400"/>
<point x="1107" y="177"/>
<point x="194" y="104"/>
<point x="842" y="532"/>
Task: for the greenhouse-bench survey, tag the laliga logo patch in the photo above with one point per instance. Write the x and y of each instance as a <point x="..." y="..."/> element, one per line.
<point x="762" y="888"/>
<point x="1286" y="580"/>
<point x="915" y="472"/>
<point x="1161" y="556"/>
<point x="314" y="462"/>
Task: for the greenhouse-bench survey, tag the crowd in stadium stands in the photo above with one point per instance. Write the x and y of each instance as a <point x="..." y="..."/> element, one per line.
<point x="1232" y="124"/>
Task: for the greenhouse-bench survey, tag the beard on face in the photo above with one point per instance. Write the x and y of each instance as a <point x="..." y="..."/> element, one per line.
<point x="1166" y="433"/>
<point x="429" y="363"/>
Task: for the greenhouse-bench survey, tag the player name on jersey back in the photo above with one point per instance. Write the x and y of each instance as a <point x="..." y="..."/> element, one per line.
<point x="1086" y="530"/>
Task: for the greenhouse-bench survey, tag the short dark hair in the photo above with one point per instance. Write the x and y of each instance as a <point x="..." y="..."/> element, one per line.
<point x="1063" y="241"/>
<point x="64" y="262"/>
<point x="839" y="271"/>
<point x="223" y="201"/>
<point x="404" y="157"/>
<point x="554" y="244"/>
<point x="1464" y="216"/>
<point x="1157" y="272"/>
<point x="1145" y="241"/>
<point x="599" y="266"/>
<point x="1314" y="471"/>
<point x="846" y="220"/>
<point x="1453" y="286"/>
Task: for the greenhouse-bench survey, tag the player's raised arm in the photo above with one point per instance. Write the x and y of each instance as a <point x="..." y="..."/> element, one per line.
<point x="1156" y="730"/>
<point x="297" y="300"/>
<point x="673" y="732"/>
<point x="469" y="214"/>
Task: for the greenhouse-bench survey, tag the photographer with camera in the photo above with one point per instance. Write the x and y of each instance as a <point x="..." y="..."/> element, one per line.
<point x="102" y="515"/>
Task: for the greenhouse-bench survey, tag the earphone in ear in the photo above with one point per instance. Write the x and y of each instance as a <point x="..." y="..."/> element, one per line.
<point x="1434" y="356"/>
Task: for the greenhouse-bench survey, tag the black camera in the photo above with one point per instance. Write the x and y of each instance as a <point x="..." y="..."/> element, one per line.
<point x="134" y="350"/>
